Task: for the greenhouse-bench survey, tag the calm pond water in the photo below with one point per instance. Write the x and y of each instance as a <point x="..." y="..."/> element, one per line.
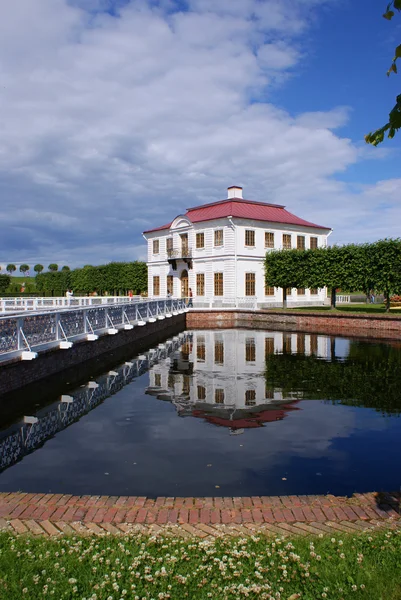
<point x="213" y="413"/>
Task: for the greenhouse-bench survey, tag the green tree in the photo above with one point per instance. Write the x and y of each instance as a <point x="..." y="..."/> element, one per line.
<point x="394" y="120"/>
<point x="53" y="267"/>
<point x="384" y="267"/>
<point x="24" y="268"/>
<point x="65" y="268"/>
<point x="11" y="268"/>
<point x="4" y="283"/>
<point x="284" y="269"/>
<point x="38" y="268"/>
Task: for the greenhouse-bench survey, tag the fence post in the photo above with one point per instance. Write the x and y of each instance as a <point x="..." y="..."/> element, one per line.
<point x="20" y="339"/>
<point x="57" y="326"/>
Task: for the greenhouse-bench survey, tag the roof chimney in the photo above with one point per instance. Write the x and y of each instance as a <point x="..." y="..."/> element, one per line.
<point x="234" y="191"/>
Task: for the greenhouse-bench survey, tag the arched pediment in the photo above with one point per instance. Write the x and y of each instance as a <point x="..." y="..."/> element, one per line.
<point x="180" y="222"/>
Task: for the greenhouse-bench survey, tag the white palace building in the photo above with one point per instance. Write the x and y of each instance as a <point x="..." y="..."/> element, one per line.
<point x="218" y="251"/>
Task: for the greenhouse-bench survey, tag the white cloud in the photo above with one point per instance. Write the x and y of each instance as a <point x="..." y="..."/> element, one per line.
<point x="113" y="124"/>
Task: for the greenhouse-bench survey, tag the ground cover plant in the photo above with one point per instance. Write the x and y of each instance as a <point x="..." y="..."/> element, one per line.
<point x="349" y="308"/>
<point x="335" y="567"/>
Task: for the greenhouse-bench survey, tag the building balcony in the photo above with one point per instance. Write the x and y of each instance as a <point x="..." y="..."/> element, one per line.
<point x="184" y="253"/>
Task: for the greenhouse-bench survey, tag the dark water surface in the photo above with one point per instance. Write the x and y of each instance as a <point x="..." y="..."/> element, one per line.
<point x="213" y="413"/>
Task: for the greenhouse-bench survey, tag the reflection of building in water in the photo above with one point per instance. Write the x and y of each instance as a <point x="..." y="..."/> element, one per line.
<point x="224" y="371"/>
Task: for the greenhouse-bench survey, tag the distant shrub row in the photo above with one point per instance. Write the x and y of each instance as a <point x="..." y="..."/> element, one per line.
<point x="113" y="279"/>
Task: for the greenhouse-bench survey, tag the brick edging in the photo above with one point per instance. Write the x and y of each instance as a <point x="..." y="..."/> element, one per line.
<point x="257" y="510"/>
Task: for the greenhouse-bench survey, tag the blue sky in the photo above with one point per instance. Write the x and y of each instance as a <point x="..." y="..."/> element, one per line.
<point x="118" y="115"/>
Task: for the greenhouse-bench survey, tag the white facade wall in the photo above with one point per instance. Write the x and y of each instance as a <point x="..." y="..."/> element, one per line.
<point x="234" y="259"/>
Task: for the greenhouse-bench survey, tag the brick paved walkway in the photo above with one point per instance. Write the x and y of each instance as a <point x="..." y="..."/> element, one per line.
<point x="52" y="514"/>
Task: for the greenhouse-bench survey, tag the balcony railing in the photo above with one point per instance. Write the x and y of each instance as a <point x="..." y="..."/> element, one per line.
<point x="176" y="253"/>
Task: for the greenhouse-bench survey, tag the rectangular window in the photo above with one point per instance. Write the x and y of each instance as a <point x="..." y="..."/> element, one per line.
<point x="218" y="284"/>
<point x="269" y="394"/>
<point x="170" y="284"/>
<point x="286" y="241"/>
<point x="250" y="350"/>
<point x="301" y="242"/>
<point x="269" y="290"/>
<point x="289" y="291"/>
<point x="219" y="352"/>
<point x="219" y="396"/>
<point x="269" y="346"/>
<point x="249" y="284"/>
<point x="301" y="291"/>
<point x="155" y="246"/>
<point x="158" y="380"/>
<point x="201" y="392"/>
<point x="249" y="237"/>
<point x="300" y="343"/>
<point x="200" y="240"/>
<point x="269" y="239"/>
<point x="156" y="285"/>
<point x="218" y="237"/>
<point x="313" y="243"/>
<point x="314" y="291"/>
<point x="250" y="397"/>
<point x="313" y="344"/>
<point x="186" y="385"/>
<point x="201" y="349"/>
<point x="287" y="343"/>
<point x="171" y="381"/>
<point x="169" y="244"/>
<point x="200" y="284"/>
<point x="184" y="244"/>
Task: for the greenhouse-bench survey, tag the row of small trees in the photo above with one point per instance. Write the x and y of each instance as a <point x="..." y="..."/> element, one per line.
<point x="24" y="268"/>
<point x="353" y="267"/>
<point x="114" y="278"/>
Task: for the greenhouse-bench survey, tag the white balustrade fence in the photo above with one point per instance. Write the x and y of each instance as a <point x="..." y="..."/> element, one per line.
<point x="247" y="302"/>
<point x="24" y="335"/>
<point x="8" y="305"/>
<point x="341" y="299"/>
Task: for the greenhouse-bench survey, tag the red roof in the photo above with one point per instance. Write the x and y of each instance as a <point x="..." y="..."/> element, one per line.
<point x="242" y="209"/>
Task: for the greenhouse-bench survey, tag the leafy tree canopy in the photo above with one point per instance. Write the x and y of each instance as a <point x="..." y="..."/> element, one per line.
<point x="53" y="267"/>
<point x="351" y="267"/>
<point x="394" y="119"/>
<point x="11" y="268"/>
<point x="38" y="268"/>
<point x="24" y="268"/>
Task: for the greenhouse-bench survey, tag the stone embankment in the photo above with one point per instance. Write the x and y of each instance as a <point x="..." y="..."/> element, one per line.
<point x="347" y="325"/>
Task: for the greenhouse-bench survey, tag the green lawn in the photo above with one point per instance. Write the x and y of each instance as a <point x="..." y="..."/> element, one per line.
<point x="16" y="282"/>
<point x="350" y="308"/>
<point x="366" y="566"/>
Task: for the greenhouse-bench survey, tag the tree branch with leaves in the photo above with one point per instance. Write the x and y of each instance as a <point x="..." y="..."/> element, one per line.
<point x="394" y="120"/>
